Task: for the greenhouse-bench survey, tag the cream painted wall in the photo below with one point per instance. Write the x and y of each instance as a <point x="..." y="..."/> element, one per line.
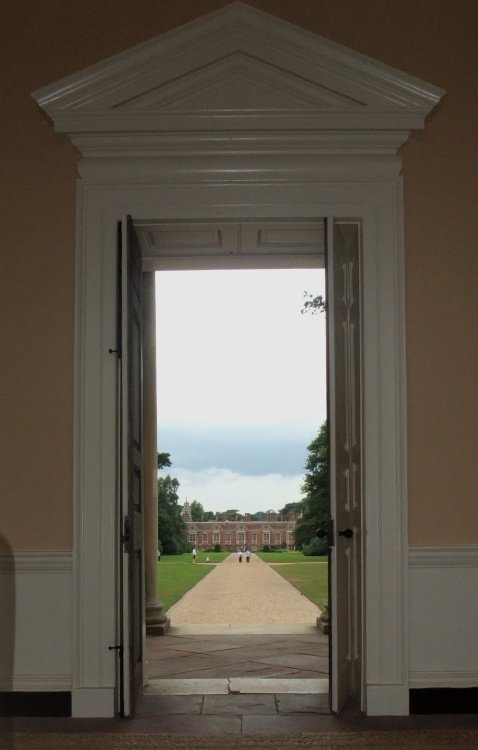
<point x="41" y="42"/>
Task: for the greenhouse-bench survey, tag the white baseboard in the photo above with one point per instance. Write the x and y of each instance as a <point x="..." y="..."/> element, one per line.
<point x="451" y="679"/>
<point x="93" y="703"/>
<point x="34" y="683"/>
<point x="443" y="616"/>
<point x="36" y="621"/>
<point x="387" y="700"/>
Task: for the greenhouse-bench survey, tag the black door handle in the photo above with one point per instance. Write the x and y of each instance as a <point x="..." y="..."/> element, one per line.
<point x="321" y="533"/>
<point x="347" y="533"/>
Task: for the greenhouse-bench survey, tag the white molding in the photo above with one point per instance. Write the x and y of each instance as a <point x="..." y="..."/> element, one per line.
<point x="456" y="556"/>
<point x="200" y="79"/>
<point x="378" y="202"/>
<point x="37" y="562"/>
<point x="36" y="683"/>
<point x="448" y="679"/>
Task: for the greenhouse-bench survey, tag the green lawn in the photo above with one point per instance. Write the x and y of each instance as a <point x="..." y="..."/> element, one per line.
<point x="311" y="580"/>
<point x="296" y="557"/>
<point x="177" y="574"/>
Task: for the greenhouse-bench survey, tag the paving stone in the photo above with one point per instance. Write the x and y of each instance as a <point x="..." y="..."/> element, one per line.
<point x="298" y="704"/>
<point x="185" y="664"/>
<point x="229" y="670"/>
<point x="287" y="724"/>
<point x="298" y="661"/>
<point x="187" y="687"/>
<point x="210" y="724"/>
<point x="239" y="705"/>
<point x="162" y="705"/>
<point x="278" y="685"/>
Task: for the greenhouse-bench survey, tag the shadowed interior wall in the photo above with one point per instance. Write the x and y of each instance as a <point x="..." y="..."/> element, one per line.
<point x="42" y="42"/>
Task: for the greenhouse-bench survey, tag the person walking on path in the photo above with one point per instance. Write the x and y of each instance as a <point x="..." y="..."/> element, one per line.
<point x="194" y="554"/>
<point x="248" y="555"/>
<point x="244" y="595"/>
<point x="239" y="555"/>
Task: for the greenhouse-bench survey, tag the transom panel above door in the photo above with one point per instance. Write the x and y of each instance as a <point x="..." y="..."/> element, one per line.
<point x="231" y="244"/>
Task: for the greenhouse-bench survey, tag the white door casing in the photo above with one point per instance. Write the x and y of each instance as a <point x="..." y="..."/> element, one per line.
<point x="296" y="128"/>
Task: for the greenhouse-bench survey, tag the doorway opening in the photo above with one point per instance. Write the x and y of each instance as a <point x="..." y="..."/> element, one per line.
<point x="241" y="394"/>
<point x="214" y="535"/>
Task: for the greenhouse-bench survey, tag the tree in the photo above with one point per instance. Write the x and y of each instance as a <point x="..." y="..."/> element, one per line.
<point x="171" y="528"/>
<point x="233" y="515"/>
<point x="259" y="516"/>
<point x="316" y="488"/>
<point x="164" y="459"/>
<point x="197" y="510"/>
<point x="313" y="305"/>
<point x="295" y="507"/>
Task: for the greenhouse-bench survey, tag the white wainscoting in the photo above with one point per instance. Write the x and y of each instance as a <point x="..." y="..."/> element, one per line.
<point x="36" y="621"/>
<point x="443" y="616"/>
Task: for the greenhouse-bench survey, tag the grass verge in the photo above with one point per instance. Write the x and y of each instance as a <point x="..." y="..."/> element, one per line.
<point x="288" y="557"/>
<point x="312" y="581"/>
<point x="177" y="574"/>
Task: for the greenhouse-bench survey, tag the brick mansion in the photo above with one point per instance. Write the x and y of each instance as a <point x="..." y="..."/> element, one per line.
<point x="243" y="534"/>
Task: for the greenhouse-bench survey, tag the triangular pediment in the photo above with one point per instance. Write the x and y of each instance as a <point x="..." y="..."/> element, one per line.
<point x="235" y="70"/>
<point x="237" y="82"/>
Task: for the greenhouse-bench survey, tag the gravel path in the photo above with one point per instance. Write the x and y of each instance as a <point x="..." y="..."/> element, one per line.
<point x="243" y="594"/>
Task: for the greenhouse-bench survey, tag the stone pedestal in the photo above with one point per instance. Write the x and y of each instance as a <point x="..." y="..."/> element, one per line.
<point x="323" y="620"/>
<point x="156" y="621"/>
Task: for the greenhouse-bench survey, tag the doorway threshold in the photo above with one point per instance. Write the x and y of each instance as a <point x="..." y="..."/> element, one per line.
<point x="237" y="686"/>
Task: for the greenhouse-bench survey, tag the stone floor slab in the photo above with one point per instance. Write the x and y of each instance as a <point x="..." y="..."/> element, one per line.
<point x="230" y="671"/>
<point x="290" y="703"/>
<point x="252" y="629"/>
<point x="162" y="705"/>
<point x="287" y="724"/>
<point x="238" y="705"/>
<point x="187" y="687"/>
<point x="210" y="724"/>
<point x="298" y="661"/>
<point x="280" y="685"/>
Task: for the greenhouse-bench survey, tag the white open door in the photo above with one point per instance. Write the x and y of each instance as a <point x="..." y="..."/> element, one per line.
<point x="131" y="484"/>
<point x="345" y="419"/>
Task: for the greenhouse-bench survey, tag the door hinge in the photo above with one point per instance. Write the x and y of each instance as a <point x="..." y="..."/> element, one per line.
<point x="126" y="535"/>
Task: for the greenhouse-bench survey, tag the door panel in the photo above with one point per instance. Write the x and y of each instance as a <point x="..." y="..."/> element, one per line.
<point x="131" y="466"/>
<point x="345" y="456"/>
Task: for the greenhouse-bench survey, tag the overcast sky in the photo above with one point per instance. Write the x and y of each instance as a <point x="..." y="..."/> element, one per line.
<point x="241" y="383"/>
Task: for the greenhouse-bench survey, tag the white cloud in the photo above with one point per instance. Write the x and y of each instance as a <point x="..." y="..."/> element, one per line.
<point x="234" y="347"/>
<point x="221" y="489"/>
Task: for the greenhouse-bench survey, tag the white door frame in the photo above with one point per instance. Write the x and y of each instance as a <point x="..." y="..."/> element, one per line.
<point x="239" y="114"/>
<point x="168" y="189"/>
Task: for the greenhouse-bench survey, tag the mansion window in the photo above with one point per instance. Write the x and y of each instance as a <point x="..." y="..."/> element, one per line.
<point x="254" y="538"/>
<point x="241" y="537"/>
<point x="228" y="537"/>
<point x="192" y="537"/>
<point x="266" y="537"/>
<point x="215" y="537"/>
<point x="277" y="537"/>
<point x="204" y="537"/>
